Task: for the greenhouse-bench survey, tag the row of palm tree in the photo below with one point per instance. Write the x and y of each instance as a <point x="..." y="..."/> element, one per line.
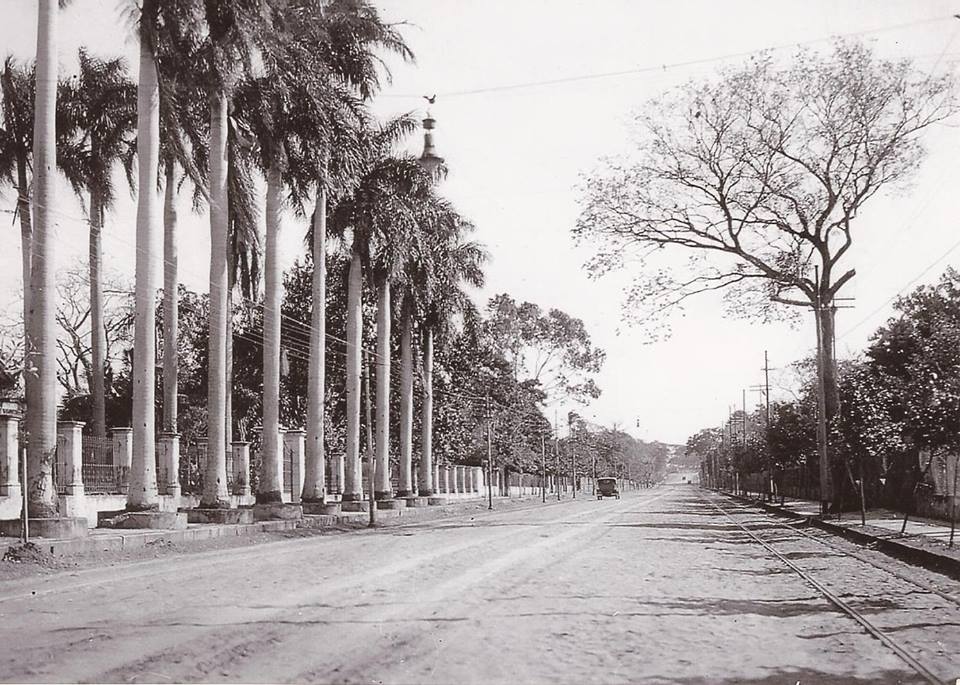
<point x="230" y="90"/>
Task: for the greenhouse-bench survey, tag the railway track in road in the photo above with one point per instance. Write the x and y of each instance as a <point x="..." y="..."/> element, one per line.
<point x="830" y="583"/>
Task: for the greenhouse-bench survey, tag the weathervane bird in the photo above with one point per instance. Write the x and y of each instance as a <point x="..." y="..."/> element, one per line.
<point x="432" y="99"/>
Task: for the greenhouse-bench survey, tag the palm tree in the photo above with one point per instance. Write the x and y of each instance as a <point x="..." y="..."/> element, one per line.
<point x="160" y="24"/>
<point x="98" y="113"/>
<point x="182" y="147"/>
<point x="454" y="262"/>
<point x="234" y="27"/>
<point x="380" y="212"/>
<point x="353" y="37"/>
<point x="41" y="339"/>
<point x="142" y="489"/>
<point x="244" y="251"/>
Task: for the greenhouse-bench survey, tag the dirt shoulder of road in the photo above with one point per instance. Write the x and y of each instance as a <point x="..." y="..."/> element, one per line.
<point x="28" y="561"/>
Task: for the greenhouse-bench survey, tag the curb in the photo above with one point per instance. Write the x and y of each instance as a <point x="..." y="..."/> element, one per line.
<point x="913" y="549"/>
<point x="118" y="541"/>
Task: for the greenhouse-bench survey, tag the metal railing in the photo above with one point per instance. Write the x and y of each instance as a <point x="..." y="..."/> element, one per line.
<point x="105" y="479"/>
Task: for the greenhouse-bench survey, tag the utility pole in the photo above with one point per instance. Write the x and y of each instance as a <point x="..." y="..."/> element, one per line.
<point x="556" y="449"/>
<point x="766" y="433"/>
<point x="821" y="403"/>
<point x="766" y="385"/>
<point x="744" y="417"/>
<point x="370" y="458"/>
<point x="573" y="458"/>
<point x="489" y="418"/>
<point x="543" y="467"/>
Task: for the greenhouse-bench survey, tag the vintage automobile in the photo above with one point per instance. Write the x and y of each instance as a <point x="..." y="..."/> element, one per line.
<point x="607" y="487"/>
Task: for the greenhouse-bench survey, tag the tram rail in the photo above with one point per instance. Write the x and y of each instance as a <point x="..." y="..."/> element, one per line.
<point x="835" y="597"/>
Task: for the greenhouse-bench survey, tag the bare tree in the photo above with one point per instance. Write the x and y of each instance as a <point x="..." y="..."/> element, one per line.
<point x="75" y="366"/>
<point x="758" y="177"/>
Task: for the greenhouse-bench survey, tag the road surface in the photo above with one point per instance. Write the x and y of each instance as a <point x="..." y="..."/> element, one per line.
<point x="658" y="587"/>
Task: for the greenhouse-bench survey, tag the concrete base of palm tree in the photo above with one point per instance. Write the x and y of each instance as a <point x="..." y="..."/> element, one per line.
<point x="58" y="527"/>
<point x="221" y="516"/>
<point x="355" y="505"/>
<point x="383" y="495"/>
<point x="351" y="497"/>
<point x="154" y="520"/>
<point x="392" y="504"/>
<point x="277" y="511"/>
<point x="315" y="508"/>
<point x="413" y="501"/>
<point x="426" y="493"/>
<point x="272" y="497"/>
<point x="133" y="508"/>
<point x="436" y="501"/>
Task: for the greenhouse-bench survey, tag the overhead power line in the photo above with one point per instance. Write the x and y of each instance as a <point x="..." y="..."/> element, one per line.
<point x="483" y="90"/>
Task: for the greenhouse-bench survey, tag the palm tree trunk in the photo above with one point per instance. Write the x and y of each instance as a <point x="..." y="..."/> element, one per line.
<point x="142" y="490"/>
<point x="171" y="301"/>
<point x="314" y="467"/>
<point x="353" y="473"/>
<point x="271" y="474"/>
<point x="383" y="489"/>
<point x="406" y="404"/>
<point x="41" y="343"/>
<point x="98" y="334"/>
<point x="426" y="420"/>
<point x="215" y="478"/>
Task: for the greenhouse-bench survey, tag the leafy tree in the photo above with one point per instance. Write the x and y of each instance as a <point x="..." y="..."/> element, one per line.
<point x="553" y="348"/>
<point x="757" y="177"/>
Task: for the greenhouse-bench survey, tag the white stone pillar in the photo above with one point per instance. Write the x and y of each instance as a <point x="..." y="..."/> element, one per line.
<point x="446" y="480"/>
<point x="169" y="477"/>
<point x="478" y="479"/>
<point x="241" y="467"/>
<point x="437" y="485"/>
<point x="468" y="480"/>
<point x="9" y="462"/>
<point x="294" y="445"/>
<point x="461" y="480"/>
<point x="70" y="456"/>
<point x="122" y="454"/>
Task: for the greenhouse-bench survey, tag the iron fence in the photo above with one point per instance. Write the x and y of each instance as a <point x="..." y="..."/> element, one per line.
<point x="105" y="479"/>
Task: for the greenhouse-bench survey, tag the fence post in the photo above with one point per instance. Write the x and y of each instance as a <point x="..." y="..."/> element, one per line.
<point x="9" y="453"/>
<point x="70" y="456"/>
<point x="169" y="454"/>
<point x="294" y="442"/>
<point x="122" y="454"/>
<point x="241" y="468"/>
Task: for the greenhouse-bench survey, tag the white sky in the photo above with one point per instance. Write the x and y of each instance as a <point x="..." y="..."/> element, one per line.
<point x="516" y="154"/>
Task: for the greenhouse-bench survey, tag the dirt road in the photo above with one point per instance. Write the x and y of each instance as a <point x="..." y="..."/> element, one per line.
<point x="651" y="588"/>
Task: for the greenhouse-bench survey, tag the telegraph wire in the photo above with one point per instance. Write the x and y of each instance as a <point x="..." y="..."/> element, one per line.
<point x="484" y="90"/>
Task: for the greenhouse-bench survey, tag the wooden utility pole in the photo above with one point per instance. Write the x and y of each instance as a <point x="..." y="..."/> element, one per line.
<point x="543" y="467"/>
<point x="821" y="405"/>
<point x="744" y="404"/>
<point x="556" y="449"/>
<point x="488" y="416"/>
<point x="370" y="459"/>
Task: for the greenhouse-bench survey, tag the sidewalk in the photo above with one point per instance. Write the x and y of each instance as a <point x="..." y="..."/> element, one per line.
<point x="108" y="539"/>
<point x="925" y="542"/>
